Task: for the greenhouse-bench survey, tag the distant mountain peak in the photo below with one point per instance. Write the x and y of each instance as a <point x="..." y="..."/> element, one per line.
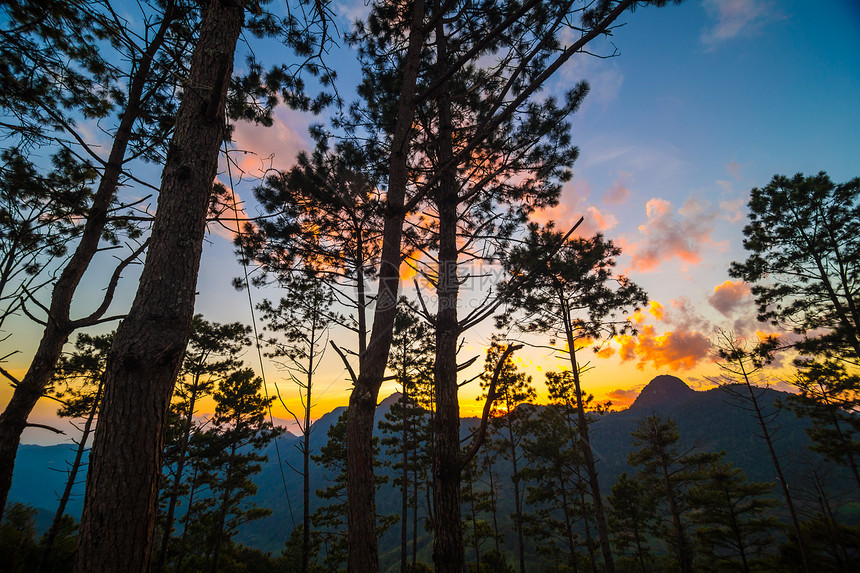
<point x="664" y="390"/>
<point x="386" y="403"/>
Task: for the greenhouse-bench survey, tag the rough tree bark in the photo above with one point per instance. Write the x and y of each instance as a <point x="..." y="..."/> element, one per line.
<point x="448" y="549"/>
<point x="118" y="519"/>
<point x="361" y="505"/>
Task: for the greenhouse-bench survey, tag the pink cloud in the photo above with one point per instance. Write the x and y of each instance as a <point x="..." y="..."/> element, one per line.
<point x="258" y="148"/>
<point x="734" y="169"/>
<point x="733" y="211"/>
<point x="619" y="193"/>
<point x="730" y="295"/>
<point x="572" y="205"/>
<point x="669" y="235"/>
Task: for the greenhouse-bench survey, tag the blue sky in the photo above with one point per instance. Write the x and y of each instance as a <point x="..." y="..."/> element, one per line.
<point x="704" y="101"/>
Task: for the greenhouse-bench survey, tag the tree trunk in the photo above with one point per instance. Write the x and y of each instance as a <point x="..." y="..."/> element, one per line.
<point x="515" y="478"/>
<point x="59" y="326"/>
<point x="118" y="519"/>
<point x="587" y="454"/>
<point x="225" y="508"/>
<point x="361" y="505"/>
<point x="448" y="550"/>
<point x="306" y="455"/>
<point x="404" y="472"/>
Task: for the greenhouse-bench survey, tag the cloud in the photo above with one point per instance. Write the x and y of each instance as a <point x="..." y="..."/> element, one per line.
<point x="654" y="308"/>
<point x="258" y="148"/>
<point x="226" y="225"/>
<point x="605" y="81"/>
<point x="733" y="210"/>
<point x="730" y="295"/>
<point x="673" y="350"/>
<point x="734" y="169"/>
<point x="734" y="18"/>
<point x="619" y="193"/>
<point x="622" y="398"/>
<point x="598" y="221"/>
<point x="669" y="235"/>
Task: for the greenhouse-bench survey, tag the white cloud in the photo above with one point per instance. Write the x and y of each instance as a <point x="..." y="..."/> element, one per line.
<point x="733" y="18"/>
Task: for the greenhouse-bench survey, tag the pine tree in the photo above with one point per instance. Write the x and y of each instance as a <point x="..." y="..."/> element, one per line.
<point x="556" y="474"/>
<point x="632" y="518"/>
<point x="228" y="455"/>
<point x="63" y="62"/>
<point x="81" y="377"/>
<point x="301" y="325"/>
<point x="672" y="471"/>
<point x="803" y="246"/>
<point x="576" y="297"/>
<point x="830" y="396"/>
<point x="330" y="527"/>
<point x="209" y="358"/>
<point x="742" y="365"/>
<point x="408" y="423"/>
<point x="117" y="524"/>
<point x="430" y="69"/>
<point x="732" y="514"/>
<point x="510" y="414"/>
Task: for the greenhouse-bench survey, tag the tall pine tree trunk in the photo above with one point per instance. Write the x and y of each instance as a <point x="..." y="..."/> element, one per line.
<point x="361" y="505"/>
<point x="27" y="392"/>
<point x="448" y="550"/>
<point x="585" y="441"/>
<point x="118" y="519"/>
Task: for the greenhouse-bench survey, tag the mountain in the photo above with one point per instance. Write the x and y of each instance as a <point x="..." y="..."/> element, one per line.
<point x="662" y="392"/>
<point x="709" y="420"/>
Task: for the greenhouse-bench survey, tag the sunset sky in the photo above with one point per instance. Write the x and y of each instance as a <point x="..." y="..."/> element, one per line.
<point x="703" y="102"/>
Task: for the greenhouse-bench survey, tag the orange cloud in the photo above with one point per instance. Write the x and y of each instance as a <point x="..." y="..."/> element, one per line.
<point x="606" y="352"/>
<point x="727" y="297"/>
<point x="669" y="235"/>
<point x="655" y="309"/>
<point x="675" y="350"/>
<point x="622" y="398"/>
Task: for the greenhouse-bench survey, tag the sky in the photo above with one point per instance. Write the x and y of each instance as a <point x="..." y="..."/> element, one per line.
<point x="701" y="103"/>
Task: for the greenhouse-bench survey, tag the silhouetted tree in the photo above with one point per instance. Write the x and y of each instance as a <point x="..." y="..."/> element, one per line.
<point x="741" y="365"/>
<point x="210" y="357"/>
<point x="119" y="515"/>
<point x="632" y="518"/>
<point x="576" y="297"/>
<point x="81" y="380"/>
<point x="673" y="470"/>
<point x="228" y="455"/>
<point x="301" y="324"/>
<point x="829" y="395"/>
<point x="733" y="518"/>
<point x="514" y="391"/>
<point x="803" y="240"/>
